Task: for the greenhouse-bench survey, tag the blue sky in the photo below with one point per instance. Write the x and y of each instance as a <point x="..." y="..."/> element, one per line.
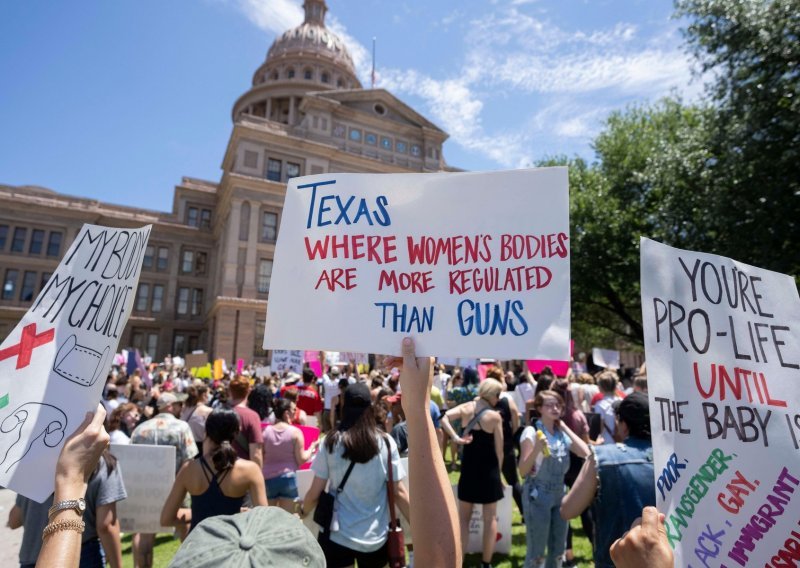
<point x="116" y="100"/>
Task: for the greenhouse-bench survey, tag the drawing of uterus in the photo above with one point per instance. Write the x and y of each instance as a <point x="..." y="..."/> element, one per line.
<point x="30" y="425"/>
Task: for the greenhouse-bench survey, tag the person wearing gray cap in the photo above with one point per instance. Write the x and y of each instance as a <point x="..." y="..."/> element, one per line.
<point x="261" y="537"/>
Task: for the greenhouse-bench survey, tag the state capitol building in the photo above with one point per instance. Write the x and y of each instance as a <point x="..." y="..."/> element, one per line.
<point x="206" y="272"/>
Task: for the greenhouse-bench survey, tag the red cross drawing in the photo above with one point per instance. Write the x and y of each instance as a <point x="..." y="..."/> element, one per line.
<point x="27" y="343"/>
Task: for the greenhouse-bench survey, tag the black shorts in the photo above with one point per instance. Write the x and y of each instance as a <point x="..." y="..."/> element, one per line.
<point x="338" y="556"/>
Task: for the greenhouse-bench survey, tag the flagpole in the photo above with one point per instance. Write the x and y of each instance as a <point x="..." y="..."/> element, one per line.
<point x="373" y="63"/>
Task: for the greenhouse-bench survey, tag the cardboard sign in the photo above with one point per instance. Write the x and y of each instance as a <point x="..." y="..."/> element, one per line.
<point x="148" y="473"/>
<point x="283" y="360"/>
<point x="606" y="358"/>
<point x="722" y="340"/>
<point x="367" y="259"/>
<point x="54" y="364"/>
<point x="196" y="360"/>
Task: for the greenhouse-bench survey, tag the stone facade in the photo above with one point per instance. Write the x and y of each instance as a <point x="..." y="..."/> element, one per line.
<point x="205" y="279"/>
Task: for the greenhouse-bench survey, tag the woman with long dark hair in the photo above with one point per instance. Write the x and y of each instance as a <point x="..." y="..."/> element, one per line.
<point x="217" y="480"/>
<point x="362" y="517"/>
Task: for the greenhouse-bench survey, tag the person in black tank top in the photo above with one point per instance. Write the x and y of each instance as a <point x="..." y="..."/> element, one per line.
<point x="217" y="480"/>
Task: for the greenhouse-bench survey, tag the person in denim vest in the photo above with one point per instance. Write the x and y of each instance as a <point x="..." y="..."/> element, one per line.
<point x="617" y="478"/>
<point x="544" y="460"/>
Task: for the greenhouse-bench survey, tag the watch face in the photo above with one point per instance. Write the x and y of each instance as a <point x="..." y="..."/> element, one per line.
<point x="81" y="505"/>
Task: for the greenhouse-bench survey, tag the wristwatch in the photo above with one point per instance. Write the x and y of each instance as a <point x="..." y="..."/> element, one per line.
<point x="78" y="505"/>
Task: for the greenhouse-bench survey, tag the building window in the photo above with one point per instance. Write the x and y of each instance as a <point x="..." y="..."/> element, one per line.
<point x="290" y="73"/>
<point x="3" y="236"/>
<point x="187" y="262"/>
<point x="193" y="217"/>
<point x="183" y="301"/>
<point x="37" y="242"/>
<point x="308" y="74"/>
<point x="163" y="259"/>
<point x="292" y="170"/>
<point x="18" y="242"/>
<point x="401" y="147"/>
<point x="179" y="345"/>
<point x="415" y="150"/>
<point x="273" y="170"/>
<point x="326" y="78"/>
<point x="149" y="253"/>
<point x="200" y="262"/>
<point x="142" y="297"/>
<point x="197" y="301"/>
<point x="205" y="219"/>
<point x="323" y="124"/>
<point x="152" y="345"/>
<point x="355" y="135"/>
<point x="45" y="280"/>
<point x="54" y="244"/>
<point x="158" y="298"/>
<point x="269" y="227"/>
<point x="250" y="159"/>
<point x="264" y="276"/>
<point x="28" y="286"/>
<point x="338" y="131"/>
<point x="10" y="284"/>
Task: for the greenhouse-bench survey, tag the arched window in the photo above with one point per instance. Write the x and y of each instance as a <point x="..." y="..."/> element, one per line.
<point x="274" y="75"/>
<point x="290" y="73"/>
<point x="308" y="74"/>
<point x="340" y="83"/>
<point x="244" y="222"/>
<point x="326" y="78"/>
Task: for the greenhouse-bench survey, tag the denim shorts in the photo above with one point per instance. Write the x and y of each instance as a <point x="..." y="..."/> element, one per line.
<point x="284" y="486"/>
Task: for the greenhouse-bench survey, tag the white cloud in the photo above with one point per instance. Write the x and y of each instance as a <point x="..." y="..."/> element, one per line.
<point x="274" y="16"/>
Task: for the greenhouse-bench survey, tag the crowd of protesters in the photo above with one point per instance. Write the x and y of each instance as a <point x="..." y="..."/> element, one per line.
<point x="239" y="440"/>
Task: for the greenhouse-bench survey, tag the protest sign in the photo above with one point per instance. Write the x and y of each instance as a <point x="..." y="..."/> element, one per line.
<point x="606" y="358"/>
<point x="148" y="473"/>
<point x="283" y="360"/>
<point x="503" y="542"/>
<point x="722" y="341"/>
<point x="196" y="360"/>
<point x="53" y="365"/>
<point x="366" y="259"/>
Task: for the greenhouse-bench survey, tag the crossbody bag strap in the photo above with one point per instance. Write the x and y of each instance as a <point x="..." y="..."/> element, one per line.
<point x="471" y="424"/>
<point x="344" y="479"/>
<point x="390" y="486"/>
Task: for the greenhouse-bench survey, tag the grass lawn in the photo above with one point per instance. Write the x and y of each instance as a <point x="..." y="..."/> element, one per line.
<point x="166" y="546"/>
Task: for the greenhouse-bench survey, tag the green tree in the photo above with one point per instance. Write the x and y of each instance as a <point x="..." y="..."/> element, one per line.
<point x="752" y="50"/>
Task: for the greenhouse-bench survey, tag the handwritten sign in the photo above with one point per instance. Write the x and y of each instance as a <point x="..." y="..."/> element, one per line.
<point x="53" y="365"/>
<point x="723" y="362"/>
<point x="367" y="259"/>
<point x="503" y="538"/>
<point x="148" y="473"/>
<point x="284" y="360"/>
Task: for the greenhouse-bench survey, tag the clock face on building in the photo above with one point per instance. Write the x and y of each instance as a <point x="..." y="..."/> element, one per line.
<point x="415" y="150"/>
<point x="371" y="139"/>
<point x="386" y="143"/>
<point x="355" y="135"/>
<point x="401" y="147"/>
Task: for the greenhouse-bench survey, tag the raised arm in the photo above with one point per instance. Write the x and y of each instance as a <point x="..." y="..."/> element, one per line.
<point x="582" y="493"/>
<point x="434" y="517"/>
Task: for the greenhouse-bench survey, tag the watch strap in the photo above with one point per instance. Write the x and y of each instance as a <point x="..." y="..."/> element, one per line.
<point x="77" y="505"/>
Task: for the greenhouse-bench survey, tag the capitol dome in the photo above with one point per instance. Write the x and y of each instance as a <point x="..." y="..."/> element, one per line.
<point x="307" y="58"/>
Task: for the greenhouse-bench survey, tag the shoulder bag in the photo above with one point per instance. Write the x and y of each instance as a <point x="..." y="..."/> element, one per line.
<point x="324" y="512"/>
<point x="396" y="540"/>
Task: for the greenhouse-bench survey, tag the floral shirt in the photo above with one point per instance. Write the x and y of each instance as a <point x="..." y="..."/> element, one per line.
<point x="166" y="430"/>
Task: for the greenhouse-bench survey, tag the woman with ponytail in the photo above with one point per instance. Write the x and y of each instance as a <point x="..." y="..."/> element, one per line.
<point x="217" y="479"/>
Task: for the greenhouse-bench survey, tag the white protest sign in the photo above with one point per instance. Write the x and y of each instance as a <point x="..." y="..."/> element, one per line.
<point x="283" y="360"/>
<point x="366" y="259"/>
<point x="722" y="340"/>
<point x="607" y="358"/>
<point x="148" y="473"/>
<point x="503" y="543"/>
<point x="53" y="365"/>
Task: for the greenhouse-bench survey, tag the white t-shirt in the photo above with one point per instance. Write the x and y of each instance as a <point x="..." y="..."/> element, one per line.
<point x="119" y="437"/>
<point x="440" y="381"/>
<point x="363" y="507"/>
<point x="331" y="389"/>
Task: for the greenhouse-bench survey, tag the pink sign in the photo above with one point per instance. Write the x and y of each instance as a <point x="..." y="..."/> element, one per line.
<point x="310" y="435"/>
<point x="239" y="366"/>
<point x="312" y="358"/>
<point x="482" y="370"/>
<point x="560" y="368"/>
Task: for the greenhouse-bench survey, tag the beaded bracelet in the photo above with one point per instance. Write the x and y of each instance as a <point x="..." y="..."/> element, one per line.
<point x="72" y="525"/>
